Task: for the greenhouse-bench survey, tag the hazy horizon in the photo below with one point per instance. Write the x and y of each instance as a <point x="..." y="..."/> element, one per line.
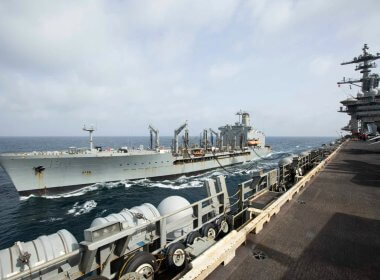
<point x="171" y="136"/>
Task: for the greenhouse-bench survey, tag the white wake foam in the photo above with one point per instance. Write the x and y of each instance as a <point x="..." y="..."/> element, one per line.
<point x="83" y="190"/>
<point x="101" y="213"/>
<point x="50" y="220"/>
<point x="23" y="198"/>
<point x="80" y="209"/>
<point x="173" y="186"/>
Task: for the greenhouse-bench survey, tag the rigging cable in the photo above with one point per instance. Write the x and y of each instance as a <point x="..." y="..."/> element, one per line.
<point x="215" y="157"/>
<point x="250" y="166"/>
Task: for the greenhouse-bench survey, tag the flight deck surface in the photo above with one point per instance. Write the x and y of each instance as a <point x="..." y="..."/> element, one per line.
<point x="330" y="231"/>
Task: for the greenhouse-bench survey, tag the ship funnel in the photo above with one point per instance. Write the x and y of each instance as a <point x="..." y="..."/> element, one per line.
<point x="246" y="119"/>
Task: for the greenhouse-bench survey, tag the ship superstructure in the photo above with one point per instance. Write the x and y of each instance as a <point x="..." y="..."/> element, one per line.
<point x="364" y="109"/>
<point x="61" y="171"/>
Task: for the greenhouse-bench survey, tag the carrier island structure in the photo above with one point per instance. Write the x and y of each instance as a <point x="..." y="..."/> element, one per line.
<point x="364" y="109"/>
<point x="49" y="172"/>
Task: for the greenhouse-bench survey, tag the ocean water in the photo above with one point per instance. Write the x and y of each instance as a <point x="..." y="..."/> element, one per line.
<point x="26" y="218"/>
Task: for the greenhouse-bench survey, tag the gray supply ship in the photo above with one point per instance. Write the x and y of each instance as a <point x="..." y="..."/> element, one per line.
<point x="50" y="172"/>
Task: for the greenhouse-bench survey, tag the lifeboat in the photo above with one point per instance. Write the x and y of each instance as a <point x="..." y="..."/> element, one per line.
<point x="253" y="142"/>
<point x="198" y="153"/>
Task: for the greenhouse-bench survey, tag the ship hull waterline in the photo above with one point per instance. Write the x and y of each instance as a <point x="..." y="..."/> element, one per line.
<point x="53" y="178"/>
<point x="73" y="188"/>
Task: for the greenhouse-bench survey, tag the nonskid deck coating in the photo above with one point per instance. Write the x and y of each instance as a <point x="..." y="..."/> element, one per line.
<point x="330" y="231"/>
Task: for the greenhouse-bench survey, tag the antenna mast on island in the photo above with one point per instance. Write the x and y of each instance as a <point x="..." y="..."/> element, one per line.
<point x="365" y="62"/>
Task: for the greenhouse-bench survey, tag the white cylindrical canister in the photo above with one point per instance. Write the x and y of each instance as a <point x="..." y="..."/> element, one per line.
<point x="133" y="217"/>
<point x="183" y="220"/>
<point x="44" y="248"/>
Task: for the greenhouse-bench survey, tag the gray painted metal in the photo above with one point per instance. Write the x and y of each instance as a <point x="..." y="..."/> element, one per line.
<point x="365" y="108"/>
<point x="156" y="137"/>
<point x="42" y="172"/>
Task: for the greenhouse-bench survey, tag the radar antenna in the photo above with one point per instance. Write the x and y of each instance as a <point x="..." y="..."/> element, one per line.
<point x="364" y="62"/>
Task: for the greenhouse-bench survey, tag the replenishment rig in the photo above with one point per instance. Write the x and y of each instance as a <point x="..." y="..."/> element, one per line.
<point x="49" y="172"/>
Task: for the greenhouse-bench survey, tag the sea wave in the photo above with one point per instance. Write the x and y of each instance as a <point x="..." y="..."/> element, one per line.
<point x="50" y="220"/>
<point x="100" y="214"/>
<point x="80" y="209"/>
<point x="82" y="191"/>
<point x="23" y="198"/>
<point x="186" y="185"/>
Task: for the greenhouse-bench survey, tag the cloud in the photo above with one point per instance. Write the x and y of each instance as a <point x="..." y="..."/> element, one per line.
<point x="224" y="70"/>
<point x="322" y="65"/>
<point x="272" y="15"/>
<point x="124" y="64"/>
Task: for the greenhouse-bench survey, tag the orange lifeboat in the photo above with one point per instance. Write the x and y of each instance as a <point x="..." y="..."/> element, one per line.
<point x="253" y="142"/>
<point x="198" y="153"/>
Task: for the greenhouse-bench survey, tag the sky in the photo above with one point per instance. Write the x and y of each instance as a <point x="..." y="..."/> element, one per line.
<point x="122" y="65"/>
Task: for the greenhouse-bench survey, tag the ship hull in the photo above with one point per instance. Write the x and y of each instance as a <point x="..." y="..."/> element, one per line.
<point x="65" y="174"/>
<point x="72" y="188"/>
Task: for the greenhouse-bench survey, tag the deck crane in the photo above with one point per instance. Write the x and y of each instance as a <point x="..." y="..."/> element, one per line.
<point x="176" y="133"/>
<point x="213" y="132"/>
<point x="156" y="133"/>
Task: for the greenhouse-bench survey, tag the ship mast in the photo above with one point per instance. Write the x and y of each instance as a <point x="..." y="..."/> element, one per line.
<point x="91" y="129"/>
<point x="364" y="62"/>
<point x="364" y="109"/>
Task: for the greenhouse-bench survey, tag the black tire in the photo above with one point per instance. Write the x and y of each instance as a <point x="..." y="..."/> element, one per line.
<point x="222" y="226"/>
<point x="209" y="231"/>
<point x="191" y="237"/>
<point x="175" y="256"/>
<point x="136" y="264"/>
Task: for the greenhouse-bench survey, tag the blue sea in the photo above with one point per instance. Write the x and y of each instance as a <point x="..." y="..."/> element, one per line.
<point x="26" y="218"/>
